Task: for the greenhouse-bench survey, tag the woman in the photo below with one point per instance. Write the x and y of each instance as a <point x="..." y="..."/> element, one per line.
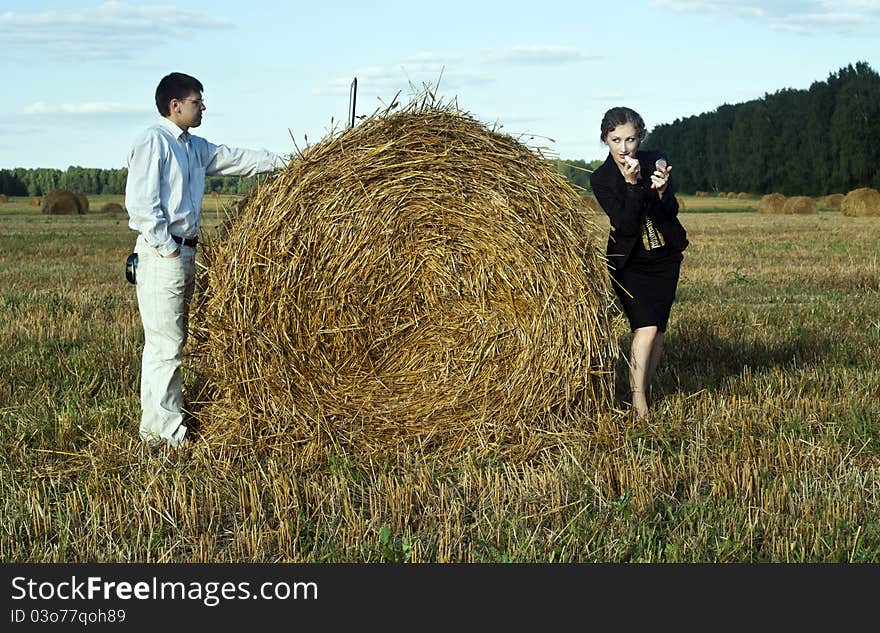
<point x="646" y="241"/>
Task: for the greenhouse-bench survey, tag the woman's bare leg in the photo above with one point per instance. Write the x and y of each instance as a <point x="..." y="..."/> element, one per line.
<point x="639" y="367"/>
<point x="654" y="360"/>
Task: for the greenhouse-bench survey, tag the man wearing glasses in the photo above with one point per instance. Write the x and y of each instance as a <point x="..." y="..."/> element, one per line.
<point x="163" y="195"/>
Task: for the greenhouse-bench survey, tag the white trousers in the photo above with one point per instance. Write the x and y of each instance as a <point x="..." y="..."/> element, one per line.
<point x="164" y="289"/>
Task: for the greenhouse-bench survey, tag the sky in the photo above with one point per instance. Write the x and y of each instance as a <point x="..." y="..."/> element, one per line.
<point x="79" y="77"/>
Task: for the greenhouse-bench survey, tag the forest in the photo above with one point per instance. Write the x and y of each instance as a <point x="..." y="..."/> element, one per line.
<point x="813" y="142"/>
<point x="92" y="181"/>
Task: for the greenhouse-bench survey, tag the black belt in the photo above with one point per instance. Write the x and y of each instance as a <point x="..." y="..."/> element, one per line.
<point x="186" y="242"/>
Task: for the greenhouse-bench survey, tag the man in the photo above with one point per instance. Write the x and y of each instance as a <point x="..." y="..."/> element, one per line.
<point x="163" y="194"/>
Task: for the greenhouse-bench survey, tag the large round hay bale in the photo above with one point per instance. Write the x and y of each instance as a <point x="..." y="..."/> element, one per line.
<point x="112" y="207"/>
<point x="861" y="202"/>
<point x="417" y="280"/>
<point x="833" y="200"/>
<point x="34" y="201"/>
<point x="61" y="202"/>
<point x="3" y="198"/>
<point x="771" y="203"/>
<point x="83" y="202"/>
<point x="742" y="195"/>
<point x="800" y="205"/>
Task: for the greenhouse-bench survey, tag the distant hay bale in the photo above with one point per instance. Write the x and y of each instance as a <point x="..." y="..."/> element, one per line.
<point x="800" y="205"/>
<point x="833" y="200"/>
<point x="731" y="194"/>
<point x="681" y="203"/>
<point x="771" y="203"/>
<point x="83" y="202"/>
<point x="702" y="194"/>
<point x="861" y="202"/>
<point x="215" y="195"/>
<point x="112" y="207"/>
<point x="415" y="281"/>
<point x="3" y="198"/>
<point x="61" y="202"/>
<point x="742" y="195"/>
<point x="34" y="201"/>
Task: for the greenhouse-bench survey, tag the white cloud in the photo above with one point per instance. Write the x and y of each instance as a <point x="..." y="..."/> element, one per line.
<point x="725" y="7"/>
<point x="385" y="81"/>
<point x="41" y="108"/>
<point x="112" y="30"/>
<point x="811" y="22"/>
<point x="430" y="68"/>
<point x="858" y="5"/>
<point x="519" y="55"/>
<point x="434" y="58"/>
<point x="802" y="16"/>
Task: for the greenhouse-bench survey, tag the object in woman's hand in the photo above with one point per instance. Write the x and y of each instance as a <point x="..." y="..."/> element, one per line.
<point x="659" y="165"/>
<point x="632" y="162"/>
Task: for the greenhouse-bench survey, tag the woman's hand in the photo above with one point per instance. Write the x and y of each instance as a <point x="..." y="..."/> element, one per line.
<point x="660" y="180"/>
<point x="631" y="169"/>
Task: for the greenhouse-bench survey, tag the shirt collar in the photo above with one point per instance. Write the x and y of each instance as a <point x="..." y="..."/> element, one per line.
<point x="172" y="128"/>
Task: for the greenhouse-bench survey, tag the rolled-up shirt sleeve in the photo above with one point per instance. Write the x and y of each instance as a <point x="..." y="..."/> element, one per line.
<point x="220" y="160"/>
<point x="143" y="195"/>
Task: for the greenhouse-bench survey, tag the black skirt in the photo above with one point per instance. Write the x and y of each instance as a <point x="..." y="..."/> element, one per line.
<point x="646" y="286"/>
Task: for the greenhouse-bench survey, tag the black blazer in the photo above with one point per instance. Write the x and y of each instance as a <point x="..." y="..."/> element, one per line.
<point x="625" y="205"/>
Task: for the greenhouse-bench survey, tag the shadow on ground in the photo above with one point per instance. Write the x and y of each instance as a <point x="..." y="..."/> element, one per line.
<point x="700" y="357"/>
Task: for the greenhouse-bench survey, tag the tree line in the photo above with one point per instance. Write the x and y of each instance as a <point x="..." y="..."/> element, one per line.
<point x="92" y="181"/>
<point x="38" y="182"/>
<point x="578" y="172"/>
<point x="822" y="140"/>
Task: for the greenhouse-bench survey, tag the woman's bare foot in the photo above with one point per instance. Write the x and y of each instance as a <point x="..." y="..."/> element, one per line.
<point x="639" y="403"/>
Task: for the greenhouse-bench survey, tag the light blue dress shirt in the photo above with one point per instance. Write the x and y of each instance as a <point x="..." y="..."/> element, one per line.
<point x="166" y="180"/>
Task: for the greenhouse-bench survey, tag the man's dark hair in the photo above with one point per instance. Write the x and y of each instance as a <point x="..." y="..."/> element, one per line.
<point x="175" y="86"/>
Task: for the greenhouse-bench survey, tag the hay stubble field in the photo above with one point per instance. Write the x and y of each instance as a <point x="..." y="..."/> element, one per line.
<point x="764" y="444"/>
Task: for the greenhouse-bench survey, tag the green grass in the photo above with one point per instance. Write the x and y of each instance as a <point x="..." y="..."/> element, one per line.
<point x="764" y="444"/>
